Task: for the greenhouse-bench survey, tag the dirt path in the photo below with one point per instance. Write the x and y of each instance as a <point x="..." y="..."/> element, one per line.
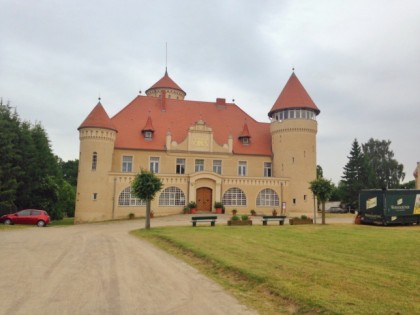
<point x="101" y="269"/>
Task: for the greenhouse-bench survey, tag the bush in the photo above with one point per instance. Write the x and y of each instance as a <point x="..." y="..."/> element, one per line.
<point x="303" y="217"/>
<point x="253" y="212"/>
<point x="235" y="218"/>
<point x="244" y="217"/>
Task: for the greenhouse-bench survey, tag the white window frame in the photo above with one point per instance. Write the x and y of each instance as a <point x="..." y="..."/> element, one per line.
<point x="234" y="197"/>
<point x="199" y="167"/>
<point x="127" y="164"/>
<point x="172" y="196"/>
<point x="268" y="198"/>
<point x="217" y="166"/>
<point x="268" y="169"/>
<point x="154" y="164"/>
<point x="180" y="166"/>
<point x="242" y="168"/>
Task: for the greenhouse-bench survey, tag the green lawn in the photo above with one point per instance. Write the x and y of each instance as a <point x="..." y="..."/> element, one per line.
<point x="307" y="269"/>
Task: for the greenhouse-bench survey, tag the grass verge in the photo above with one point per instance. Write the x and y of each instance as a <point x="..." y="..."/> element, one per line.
<point x="308" y="269"/>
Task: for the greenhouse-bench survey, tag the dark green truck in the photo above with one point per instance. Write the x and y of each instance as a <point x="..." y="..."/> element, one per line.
<point x="396" y="206"/>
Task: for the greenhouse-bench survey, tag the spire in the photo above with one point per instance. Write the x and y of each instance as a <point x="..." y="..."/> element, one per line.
<point x="149" y="125"/>
<point x="165" y="83"/>
<point x="244" y="137"/>
<point x="98" y="118"/>
<point x="293" y="95"/>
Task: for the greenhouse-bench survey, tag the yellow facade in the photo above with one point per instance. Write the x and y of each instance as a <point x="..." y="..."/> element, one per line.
<point x="197" y="168"/>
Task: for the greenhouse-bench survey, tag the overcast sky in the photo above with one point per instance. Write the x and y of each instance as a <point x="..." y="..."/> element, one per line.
<point x="358" y="60"/>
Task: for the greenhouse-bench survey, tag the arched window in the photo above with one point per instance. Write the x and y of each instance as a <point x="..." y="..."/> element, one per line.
<point x="172" y="196"/>
<point x="94" y="161"/>
<point x="268" y="198"/>
<point x="126" y="198"/>
<point x="234" y="197"/>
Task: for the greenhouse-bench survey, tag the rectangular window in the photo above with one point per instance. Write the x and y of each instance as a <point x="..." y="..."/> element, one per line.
<point x="180" y="166"/>
<point x="242" y="168"/>
<point x="94" y="196"/>
<point x="94" y="160"/>
<point x="267" y="169"/>
<point x="217" y="166"/>
<point x="127" y="164"/>
<point x="154" y="164"/>
<point x="199" y="165"/>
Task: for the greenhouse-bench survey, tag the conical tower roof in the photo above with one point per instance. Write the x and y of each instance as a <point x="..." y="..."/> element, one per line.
<point x="293" y="95"/>
<point x="166" y="83"/>
<point x="98" y="118"/>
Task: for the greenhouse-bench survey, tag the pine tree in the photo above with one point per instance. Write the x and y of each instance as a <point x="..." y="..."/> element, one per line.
<point x="354" y="175"/>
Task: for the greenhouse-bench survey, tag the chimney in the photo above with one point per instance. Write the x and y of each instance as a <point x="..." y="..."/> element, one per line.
<point x="220" y="102"/>
<point x="163" y="100"/>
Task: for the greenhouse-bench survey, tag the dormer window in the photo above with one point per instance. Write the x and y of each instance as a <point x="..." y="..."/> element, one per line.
<point x="148" y="130"/>
<point x="148" y="135"/>
<point x="244" y="140"/>
<point x="245" y="136"/>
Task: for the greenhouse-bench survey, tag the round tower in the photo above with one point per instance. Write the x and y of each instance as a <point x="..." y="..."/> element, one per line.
<point x="94" y="192"/>
<point x="293" y="134"/>
<point x="168" y="87"/>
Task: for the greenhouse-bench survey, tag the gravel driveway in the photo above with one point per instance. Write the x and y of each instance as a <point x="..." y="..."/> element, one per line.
<point x="101" y="269"/>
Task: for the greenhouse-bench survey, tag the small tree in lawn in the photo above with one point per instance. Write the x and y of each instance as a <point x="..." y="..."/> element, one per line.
<point x="322" y="189"/>
<point x="145" y="186"/>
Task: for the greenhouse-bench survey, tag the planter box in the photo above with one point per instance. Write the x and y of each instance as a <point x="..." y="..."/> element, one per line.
<point x="296" y="221"/>
<point x="239" y="222"/>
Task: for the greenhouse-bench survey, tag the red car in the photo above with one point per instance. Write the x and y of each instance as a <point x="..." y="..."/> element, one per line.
<point x="27" y="216"/>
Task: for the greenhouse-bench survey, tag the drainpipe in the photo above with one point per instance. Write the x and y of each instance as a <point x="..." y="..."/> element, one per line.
<point x="113" y="198"/>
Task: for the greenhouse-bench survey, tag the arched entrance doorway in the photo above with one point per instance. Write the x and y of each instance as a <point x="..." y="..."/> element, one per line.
<point x="204" y="198"/>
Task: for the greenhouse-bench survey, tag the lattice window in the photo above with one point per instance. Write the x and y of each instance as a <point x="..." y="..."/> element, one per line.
<point x="126" y="198"/>
<point x="172" y="196"/>
<point x="234" y="197"/>
<point x="268" y="198"/>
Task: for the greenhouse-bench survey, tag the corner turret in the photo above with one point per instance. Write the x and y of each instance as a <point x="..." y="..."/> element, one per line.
<point x="293" y="134"/>
<point x="97" y="136"/>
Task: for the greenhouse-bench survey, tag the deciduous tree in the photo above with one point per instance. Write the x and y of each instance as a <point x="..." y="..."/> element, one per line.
<point x="145" y="186"/>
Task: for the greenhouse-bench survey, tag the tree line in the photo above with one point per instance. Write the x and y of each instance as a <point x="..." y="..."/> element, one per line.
<point x="31" y="176"/>
<point x="371" y="165"/>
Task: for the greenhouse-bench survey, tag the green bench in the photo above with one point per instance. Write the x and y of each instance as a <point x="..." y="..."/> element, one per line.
<point x="209" y="218"/>
<point x="279" y="218"/>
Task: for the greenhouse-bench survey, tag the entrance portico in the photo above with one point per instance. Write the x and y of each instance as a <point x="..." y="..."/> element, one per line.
<point x="205" y="188"/>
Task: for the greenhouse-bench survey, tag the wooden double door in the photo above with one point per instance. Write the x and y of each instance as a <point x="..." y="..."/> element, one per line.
<point x="203" y="199"/>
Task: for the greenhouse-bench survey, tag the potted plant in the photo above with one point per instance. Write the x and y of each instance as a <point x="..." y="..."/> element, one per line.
<point x="152" y="214"/>
<point x="234" y="212"/>
<point x="192" y="205"/>
<point x="218" y="206"/>
<point x="303" y="219"/>
<point x="253" y="213"/>
<point x="243" y="220"/>
<point x="274" y="212"/>
<point x="185" y="210"/>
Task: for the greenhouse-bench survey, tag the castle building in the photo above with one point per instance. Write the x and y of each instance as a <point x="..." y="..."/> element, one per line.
<point x="205" y="152"/>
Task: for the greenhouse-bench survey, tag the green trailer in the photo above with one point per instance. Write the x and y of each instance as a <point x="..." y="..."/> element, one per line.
<point x="385" y="207"/>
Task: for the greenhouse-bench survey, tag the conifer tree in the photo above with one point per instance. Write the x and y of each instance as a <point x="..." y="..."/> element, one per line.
<point x="355" y="175"/>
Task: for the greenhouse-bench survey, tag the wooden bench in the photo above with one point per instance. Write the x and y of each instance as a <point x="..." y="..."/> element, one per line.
<point x="279" y="218"/>
<point x="209" y="218"/>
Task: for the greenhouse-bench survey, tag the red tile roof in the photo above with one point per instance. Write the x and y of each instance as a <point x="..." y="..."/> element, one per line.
<point x="293" y="95"/>
<point x="179" y="115"/>
<point x="166" y="82"/>
<point x="149" y="125"/>
<point x="98" y="118"/>
<point x="245" y="132"/>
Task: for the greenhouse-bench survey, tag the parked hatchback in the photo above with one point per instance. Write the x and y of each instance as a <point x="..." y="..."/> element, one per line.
<point x="27" y="216"/>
